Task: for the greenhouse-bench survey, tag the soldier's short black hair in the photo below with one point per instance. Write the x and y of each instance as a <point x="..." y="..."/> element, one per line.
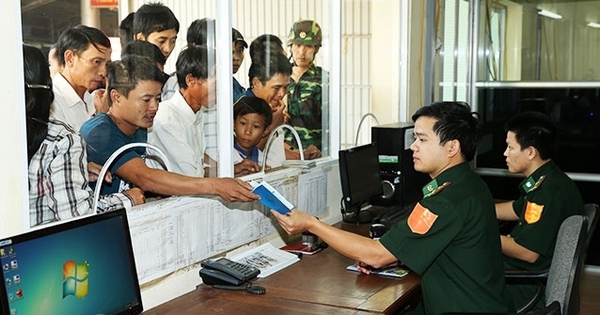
<point x="535" y="129"/>
<point x="78" y="38"/>
<point x="154" y="17"/>
<point x="455" y="121"/>
<point x="198" y="61"/>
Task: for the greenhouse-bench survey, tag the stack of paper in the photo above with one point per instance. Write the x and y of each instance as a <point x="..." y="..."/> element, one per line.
<point x="267" y="258"/>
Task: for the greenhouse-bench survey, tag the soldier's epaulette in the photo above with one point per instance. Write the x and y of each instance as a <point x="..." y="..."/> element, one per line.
<point x="433" y="188"/>
<point x="531" y="185"/>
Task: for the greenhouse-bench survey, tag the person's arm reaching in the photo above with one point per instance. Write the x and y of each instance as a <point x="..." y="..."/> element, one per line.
<point x="362" y="249"/>
<point x="167" y="183"/>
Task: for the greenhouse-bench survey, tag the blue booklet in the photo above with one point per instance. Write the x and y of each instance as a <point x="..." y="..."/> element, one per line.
<point x="393" y="271"/>
<point x="271" y="198"/>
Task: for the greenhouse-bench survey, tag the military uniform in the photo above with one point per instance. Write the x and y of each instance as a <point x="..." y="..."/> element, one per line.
<point x="451" y="240"/>
<point x="305" y="106"/>
<point x="547" y="198"/>
<point x="308" y="98"/>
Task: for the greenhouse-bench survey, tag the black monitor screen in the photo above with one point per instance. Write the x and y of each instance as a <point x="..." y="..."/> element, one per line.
<point x="85" y="266"/>
<point x="359" y="173"/>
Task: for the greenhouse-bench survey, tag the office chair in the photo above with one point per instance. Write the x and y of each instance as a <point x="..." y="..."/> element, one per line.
<point x="591" y="212"/>
<point x="562" y="281"/>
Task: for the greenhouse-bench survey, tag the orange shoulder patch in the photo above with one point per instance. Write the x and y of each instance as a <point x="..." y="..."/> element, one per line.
<point x="421" y="219"/>
<point x="533" y="212"/>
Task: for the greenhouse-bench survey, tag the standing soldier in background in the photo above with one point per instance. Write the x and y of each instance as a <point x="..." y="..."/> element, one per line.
<point x="309" y="89"/>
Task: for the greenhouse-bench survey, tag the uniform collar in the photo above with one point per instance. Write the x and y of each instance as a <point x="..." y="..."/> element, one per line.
<point x="444" y="179"/>
<point x="535" y="180"/>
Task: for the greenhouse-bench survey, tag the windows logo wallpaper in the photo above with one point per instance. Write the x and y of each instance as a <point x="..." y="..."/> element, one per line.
<point x="75" y="279"/>
<point x="81" y="271"/>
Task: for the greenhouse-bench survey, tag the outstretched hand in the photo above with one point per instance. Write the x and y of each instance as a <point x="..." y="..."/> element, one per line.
<point x="233" y="189"/>
<point x="295" y="221"/>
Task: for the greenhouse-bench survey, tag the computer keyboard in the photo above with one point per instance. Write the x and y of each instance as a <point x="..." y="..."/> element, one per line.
<point x="393" y="214"/>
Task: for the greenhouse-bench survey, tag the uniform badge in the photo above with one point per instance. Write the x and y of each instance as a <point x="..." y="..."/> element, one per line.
<point x="533" y="212"/>
<point x="433" y="188"/>
<point x="302" y="34"/>
<point x="421" y="219"/>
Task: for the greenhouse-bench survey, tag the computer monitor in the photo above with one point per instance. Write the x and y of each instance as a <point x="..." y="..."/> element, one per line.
<point x="84" y="266"/>
<point x="361" y="182"/>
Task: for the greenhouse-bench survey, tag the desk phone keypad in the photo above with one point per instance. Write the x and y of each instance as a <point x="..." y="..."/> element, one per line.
<point x="235" y="269"/>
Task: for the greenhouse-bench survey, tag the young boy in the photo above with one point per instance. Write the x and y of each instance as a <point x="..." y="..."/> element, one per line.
<point x="252" y="116"/>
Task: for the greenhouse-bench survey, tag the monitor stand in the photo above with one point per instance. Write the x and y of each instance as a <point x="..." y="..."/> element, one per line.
<point x="364" y="216"/>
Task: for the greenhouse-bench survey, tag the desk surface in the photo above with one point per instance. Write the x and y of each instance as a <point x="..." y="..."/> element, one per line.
<point x="318" y="284"/>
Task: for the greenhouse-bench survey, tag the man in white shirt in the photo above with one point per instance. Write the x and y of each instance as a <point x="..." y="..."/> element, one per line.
<point x="84" y="52"/>
<point x="178" y="125"/>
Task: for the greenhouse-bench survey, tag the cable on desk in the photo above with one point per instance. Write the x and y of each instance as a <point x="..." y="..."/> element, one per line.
<point x="254" y="289"/>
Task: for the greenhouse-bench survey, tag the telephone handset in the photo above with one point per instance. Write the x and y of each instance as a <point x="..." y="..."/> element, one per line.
<point x="225" y="271"/>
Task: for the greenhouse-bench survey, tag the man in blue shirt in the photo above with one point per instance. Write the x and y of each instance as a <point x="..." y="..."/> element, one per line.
<point x="134" y="87"/>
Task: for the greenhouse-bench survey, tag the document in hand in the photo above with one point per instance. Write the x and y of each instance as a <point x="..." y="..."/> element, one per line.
<point x="271" y="198"/>
<point x="394" y="271"/>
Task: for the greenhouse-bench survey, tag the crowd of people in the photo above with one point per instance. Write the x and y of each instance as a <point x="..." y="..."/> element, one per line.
<point x="84" y="107"/>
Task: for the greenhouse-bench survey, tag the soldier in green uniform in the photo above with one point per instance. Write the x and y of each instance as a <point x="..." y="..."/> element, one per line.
<point x="309" y="88"/>
<point x="450" y="238"/>
<point x="547" y="197"/>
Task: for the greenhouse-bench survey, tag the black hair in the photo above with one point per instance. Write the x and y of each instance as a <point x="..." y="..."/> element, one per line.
<point x="146" y="49"/>
<point x="267" y="68"/>
<point x="253" y="105"/>
<point x="38" y="97"/>
<point x="455" y="121"/>
<point x="125" y="74"/>
<point x="264" y="45"/>
<point x="535" y="129"/>
<point x="78" y="38"/>
<point x="197" y="61"/>
<point x="154" y="17"/>
<point x="199" y="31"/>
<point x="126" y="29"/>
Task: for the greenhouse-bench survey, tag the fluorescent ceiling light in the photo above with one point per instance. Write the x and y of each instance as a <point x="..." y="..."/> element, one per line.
<point x="549" y="14"/>
<point x="593" y="24"/>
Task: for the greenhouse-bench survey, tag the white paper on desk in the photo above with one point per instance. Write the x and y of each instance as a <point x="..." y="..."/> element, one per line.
<point x="267" y="258"/>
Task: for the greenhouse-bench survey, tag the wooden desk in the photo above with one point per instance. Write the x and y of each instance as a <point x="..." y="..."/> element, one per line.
<point x="318" y="284"/>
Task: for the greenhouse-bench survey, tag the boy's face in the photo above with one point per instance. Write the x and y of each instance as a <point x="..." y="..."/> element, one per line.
<point x="87" y="69"/>
<point x="165" y="40"/>
<point x="249" y="129"/>
<point x="136" y="110"/>
<point x="238" y="55"/>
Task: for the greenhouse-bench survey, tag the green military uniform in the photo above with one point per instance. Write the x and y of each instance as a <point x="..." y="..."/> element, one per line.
<point x="451" y="240"/>
<point x="547" y="198"/>
<point x="306" y="101"/>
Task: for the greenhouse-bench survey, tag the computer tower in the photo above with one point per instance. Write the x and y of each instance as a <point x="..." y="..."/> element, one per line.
<point x="404" y="184"/>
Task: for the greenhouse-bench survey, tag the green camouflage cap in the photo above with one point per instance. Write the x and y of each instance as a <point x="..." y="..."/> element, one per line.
<point x="305" y="32"/>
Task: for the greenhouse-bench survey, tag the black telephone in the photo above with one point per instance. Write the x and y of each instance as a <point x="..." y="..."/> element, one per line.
<point x="225" y="271"/>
